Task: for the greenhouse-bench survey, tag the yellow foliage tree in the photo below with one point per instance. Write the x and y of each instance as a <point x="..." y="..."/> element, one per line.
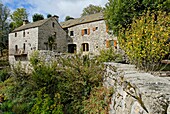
<point x="145" y="40"/>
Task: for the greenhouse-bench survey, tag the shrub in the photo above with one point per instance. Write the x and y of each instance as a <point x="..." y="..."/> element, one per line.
<point x="45" y="104"/>
<point x="144" y="41"/>
<point x="79" y="76"/>
<point x="4" y="74"/>
<point x="98" y="101"/>
<point x="55" y="86"/>
<point x="109" y="56"/>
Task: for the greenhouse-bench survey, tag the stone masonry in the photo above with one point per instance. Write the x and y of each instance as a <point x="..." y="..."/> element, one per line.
<point x="137" y="92"/>
<point x="96" y="39"/>
<point x="35" y="36"/>
<point x="89" y="34"/>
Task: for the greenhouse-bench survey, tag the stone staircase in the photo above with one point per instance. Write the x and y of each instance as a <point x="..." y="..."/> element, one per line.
<point x="137" y="92"/>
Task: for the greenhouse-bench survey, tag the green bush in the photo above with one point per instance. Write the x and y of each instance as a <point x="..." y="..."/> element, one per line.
<point x="98" y="101"/>
<point x="44" y="104"/>
<point x="57" y="86"/>
<point x="79" y="76"/>
<point x="6" y="107"/>
<point x="109" y="56"/>
<point x="4" y="74"/>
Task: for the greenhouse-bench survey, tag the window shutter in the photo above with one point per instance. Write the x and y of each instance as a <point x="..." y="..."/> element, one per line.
<point x="115" y="43"/>
<point x="107" y="28"/>
<point x="88" y="31"/>
<point x="94" y="28"/>
<point x="82" y="32"/>
<point x="107" y="43"/>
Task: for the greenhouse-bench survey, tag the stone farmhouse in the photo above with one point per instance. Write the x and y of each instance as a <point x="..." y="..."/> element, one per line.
<point x="36" y="36"/>
<point x="88" y="34"/>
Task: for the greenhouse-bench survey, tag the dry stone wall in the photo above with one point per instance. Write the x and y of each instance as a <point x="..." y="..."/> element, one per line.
<point x="136" y="92"/>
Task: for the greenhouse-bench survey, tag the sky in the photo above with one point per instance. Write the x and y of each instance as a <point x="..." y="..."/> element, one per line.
<point x="62" y="8"/>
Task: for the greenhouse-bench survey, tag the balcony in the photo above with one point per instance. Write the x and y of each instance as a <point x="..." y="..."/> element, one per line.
<point x="20" y="52"/>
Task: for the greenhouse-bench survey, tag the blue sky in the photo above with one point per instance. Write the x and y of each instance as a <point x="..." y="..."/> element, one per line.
<point x="62" y="8"/>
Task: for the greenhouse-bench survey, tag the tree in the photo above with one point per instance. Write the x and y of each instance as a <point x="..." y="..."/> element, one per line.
<point x="18" y="16"/>
<point x="49" y="15"/>
<point x="91" y="9"/>
<point x="37" y="17"/>
<point x="119" y="13"/>
<point x="4" y="26"/>
<point x="51" y="42"/>
<point x="145" y="41"/>
<point x="68" y="18"/>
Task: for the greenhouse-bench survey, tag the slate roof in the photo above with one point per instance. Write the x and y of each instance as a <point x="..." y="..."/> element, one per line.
<point x="82" y="20"/>
<point x="31" y="25"/>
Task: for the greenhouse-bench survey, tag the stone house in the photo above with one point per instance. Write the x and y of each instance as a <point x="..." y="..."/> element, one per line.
<point x="88" y="34"/>
<point x="45" y="34"/>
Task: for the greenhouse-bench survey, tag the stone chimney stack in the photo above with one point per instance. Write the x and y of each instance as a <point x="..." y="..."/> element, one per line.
<point x="56" y="17"/>
<point x="25" y="22"/>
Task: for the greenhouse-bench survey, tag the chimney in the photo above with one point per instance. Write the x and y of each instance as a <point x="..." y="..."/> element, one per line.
<point x="56" y="17"/>
<point x="25" y="22"/>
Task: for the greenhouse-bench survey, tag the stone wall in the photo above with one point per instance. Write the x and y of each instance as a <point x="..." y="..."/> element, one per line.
<point x="47" y="30"/>
<point x="137" y="92"/>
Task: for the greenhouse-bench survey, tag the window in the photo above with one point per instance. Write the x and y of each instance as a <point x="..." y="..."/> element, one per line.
<point x="15" y="34"/>
<point x="85" y="32"/>
<point x="16" y="48"/>
<point x="24" y="46"/>
<point x="24" y="34"/>
<point x="96" y="28"/>
<point x="53" y="24"/>
<point x="85" y="47"/>
<point x="55" y="46"/>
<point x="110" y="43"/>
<point x="71" y="33"/>
<point x="46" y="45"/>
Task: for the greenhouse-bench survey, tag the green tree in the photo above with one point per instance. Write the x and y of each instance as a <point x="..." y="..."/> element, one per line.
<point x="4" y="26"/>
<point x="68" y="18"/>
<point x="49" y="15"/>
<point x="91" y="9"/>
<point x="51" y="42"/>
<point x="145" y="41"/>
<point x="18" y="16"/>
<point x="37" y="17"/>
<point x="119" y="13"/>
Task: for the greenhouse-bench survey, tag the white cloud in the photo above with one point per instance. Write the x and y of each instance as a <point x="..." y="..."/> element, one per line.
<point x="62" y="8"/>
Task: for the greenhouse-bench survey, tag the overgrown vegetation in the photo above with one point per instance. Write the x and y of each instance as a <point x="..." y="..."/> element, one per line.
<point x="109" y="55"/>
<point x="98" y="101"/>
<point x="145" y="40"/>
<point x="59" y="86"/>
<point x="119" y="14"/>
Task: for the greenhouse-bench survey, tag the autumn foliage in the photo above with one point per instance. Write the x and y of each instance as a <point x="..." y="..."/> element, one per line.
<point x="145" y="40"/>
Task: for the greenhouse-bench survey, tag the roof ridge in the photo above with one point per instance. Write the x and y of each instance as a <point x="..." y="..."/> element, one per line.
<point x="31" y="25"/>
<point x="82" y="20"/>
